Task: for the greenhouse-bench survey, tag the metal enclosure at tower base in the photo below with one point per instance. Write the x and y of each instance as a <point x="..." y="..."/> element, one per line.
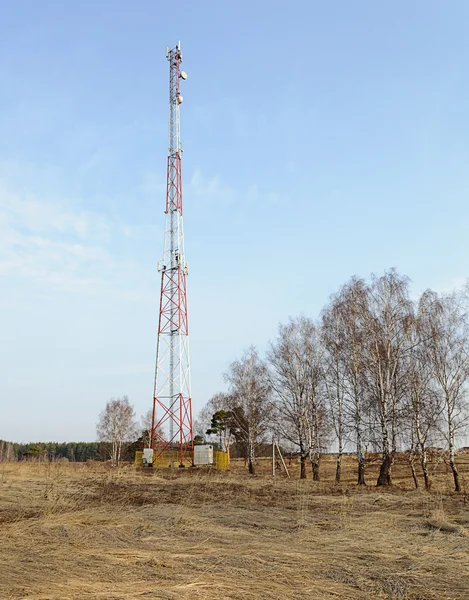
<point x="203" y="454"/>
<point x="147" y="457"/>
<point x="171" y="431"/>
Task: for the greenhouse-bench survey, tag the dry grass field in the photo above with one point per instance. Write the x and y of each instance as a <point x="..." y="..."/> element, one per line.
<point x="83" y="531"/>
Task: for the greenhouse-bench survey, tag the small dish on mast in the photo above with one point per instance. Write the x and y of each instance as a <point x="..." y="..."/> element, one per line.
<point x="183" y="75"/>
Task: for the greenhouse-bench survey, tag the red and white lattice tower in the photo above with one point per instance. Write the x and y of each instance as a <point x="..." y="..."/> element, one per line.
<point x="171" y="432"/>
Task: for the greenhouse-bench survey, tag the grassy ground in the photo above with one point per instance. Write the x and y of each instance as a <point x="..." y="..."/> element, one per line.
<point x="76" y="531"/>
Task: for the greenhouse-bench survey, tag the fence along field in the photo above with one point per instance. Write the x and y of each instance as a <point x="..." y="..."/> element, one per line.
<point x="74" y="531"/>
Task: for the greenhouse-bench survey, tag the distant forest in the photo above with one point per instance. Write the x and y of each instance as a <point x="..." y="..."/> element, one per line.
<point x="72" y="451"/>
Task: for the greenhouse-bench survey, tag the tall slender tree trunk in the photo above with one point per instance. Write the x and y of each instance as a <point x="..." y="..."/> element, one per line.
<point x="358" y="429"/>
<point x="384" y="477"/>
<point x="303" y="457"/>
<point x="452" y="463"/>
<point x="114" y="453"/>
<point x="338" y="467"/>
<point x="412" y="453"/>
<point x="119" y="451"/>
<point x="412" y="468"/>
<point x="302" y="466"/>
<point x="361" y="468"/>
<point x="423" y="462"/>
<point x="314" y="458"/>
<point x="315" y="467"/>
<point x="422" y="448"/>
<point x="251" y="456"/>
<point x="360" y="458"/>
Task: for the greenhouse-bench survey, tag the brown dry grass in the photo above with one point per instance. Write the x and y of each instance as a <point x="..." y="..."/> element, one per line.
<point x="85" y="532"/>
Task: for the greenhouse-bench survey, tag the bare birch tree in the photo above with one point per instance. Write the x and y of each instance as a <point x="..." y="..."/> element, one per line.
<point x="425" y="402"/>
<point x="447" y="350"/>
<point x="117" y="426"/>
<point x="333" y="337"/>
<point x="297" y="376"/>
<point x="386" y="347"/>
<point x="344" y="315"/>
<point x="249" y="392"/>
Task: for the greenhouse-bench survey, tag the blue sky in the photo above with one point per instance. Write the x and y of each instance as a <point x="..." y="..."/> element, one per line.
<point x="321" y="140"/>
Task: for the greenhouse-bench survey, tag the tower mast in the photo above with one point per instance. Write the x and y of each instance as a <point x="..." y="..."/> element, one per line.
<point x="171" y="431"/>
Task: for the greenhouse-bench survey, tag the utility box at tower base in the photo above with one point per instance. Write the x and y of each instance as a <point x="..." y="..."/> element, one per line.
<point x="203" y="454"/>
<point x="147" y="457"/>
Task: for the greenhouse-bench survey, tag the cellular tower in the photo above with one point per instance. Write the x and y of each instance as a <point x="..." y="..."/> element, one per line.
<point x="171" y="429"/>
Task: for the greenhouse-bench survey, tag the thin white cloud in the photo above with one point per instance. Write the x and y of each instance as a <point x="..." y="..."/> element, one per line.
<point x="40" y="216"/>
<point x="55" y="246"/>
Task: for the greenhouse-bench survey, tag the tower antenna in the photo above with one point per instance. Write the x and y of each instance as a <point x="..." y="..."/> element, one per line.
<point x="171" y="429"/>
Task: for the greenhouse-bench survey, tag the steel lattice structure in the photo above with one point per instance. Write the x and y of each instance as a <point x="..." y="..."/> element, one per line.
<point x="172" y="405"/>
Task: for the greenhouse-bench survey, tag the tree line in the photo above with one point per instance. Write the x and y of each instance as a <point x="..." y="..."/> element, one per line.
<point x="378" y="371"/>
<point x="72" y="451"/>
